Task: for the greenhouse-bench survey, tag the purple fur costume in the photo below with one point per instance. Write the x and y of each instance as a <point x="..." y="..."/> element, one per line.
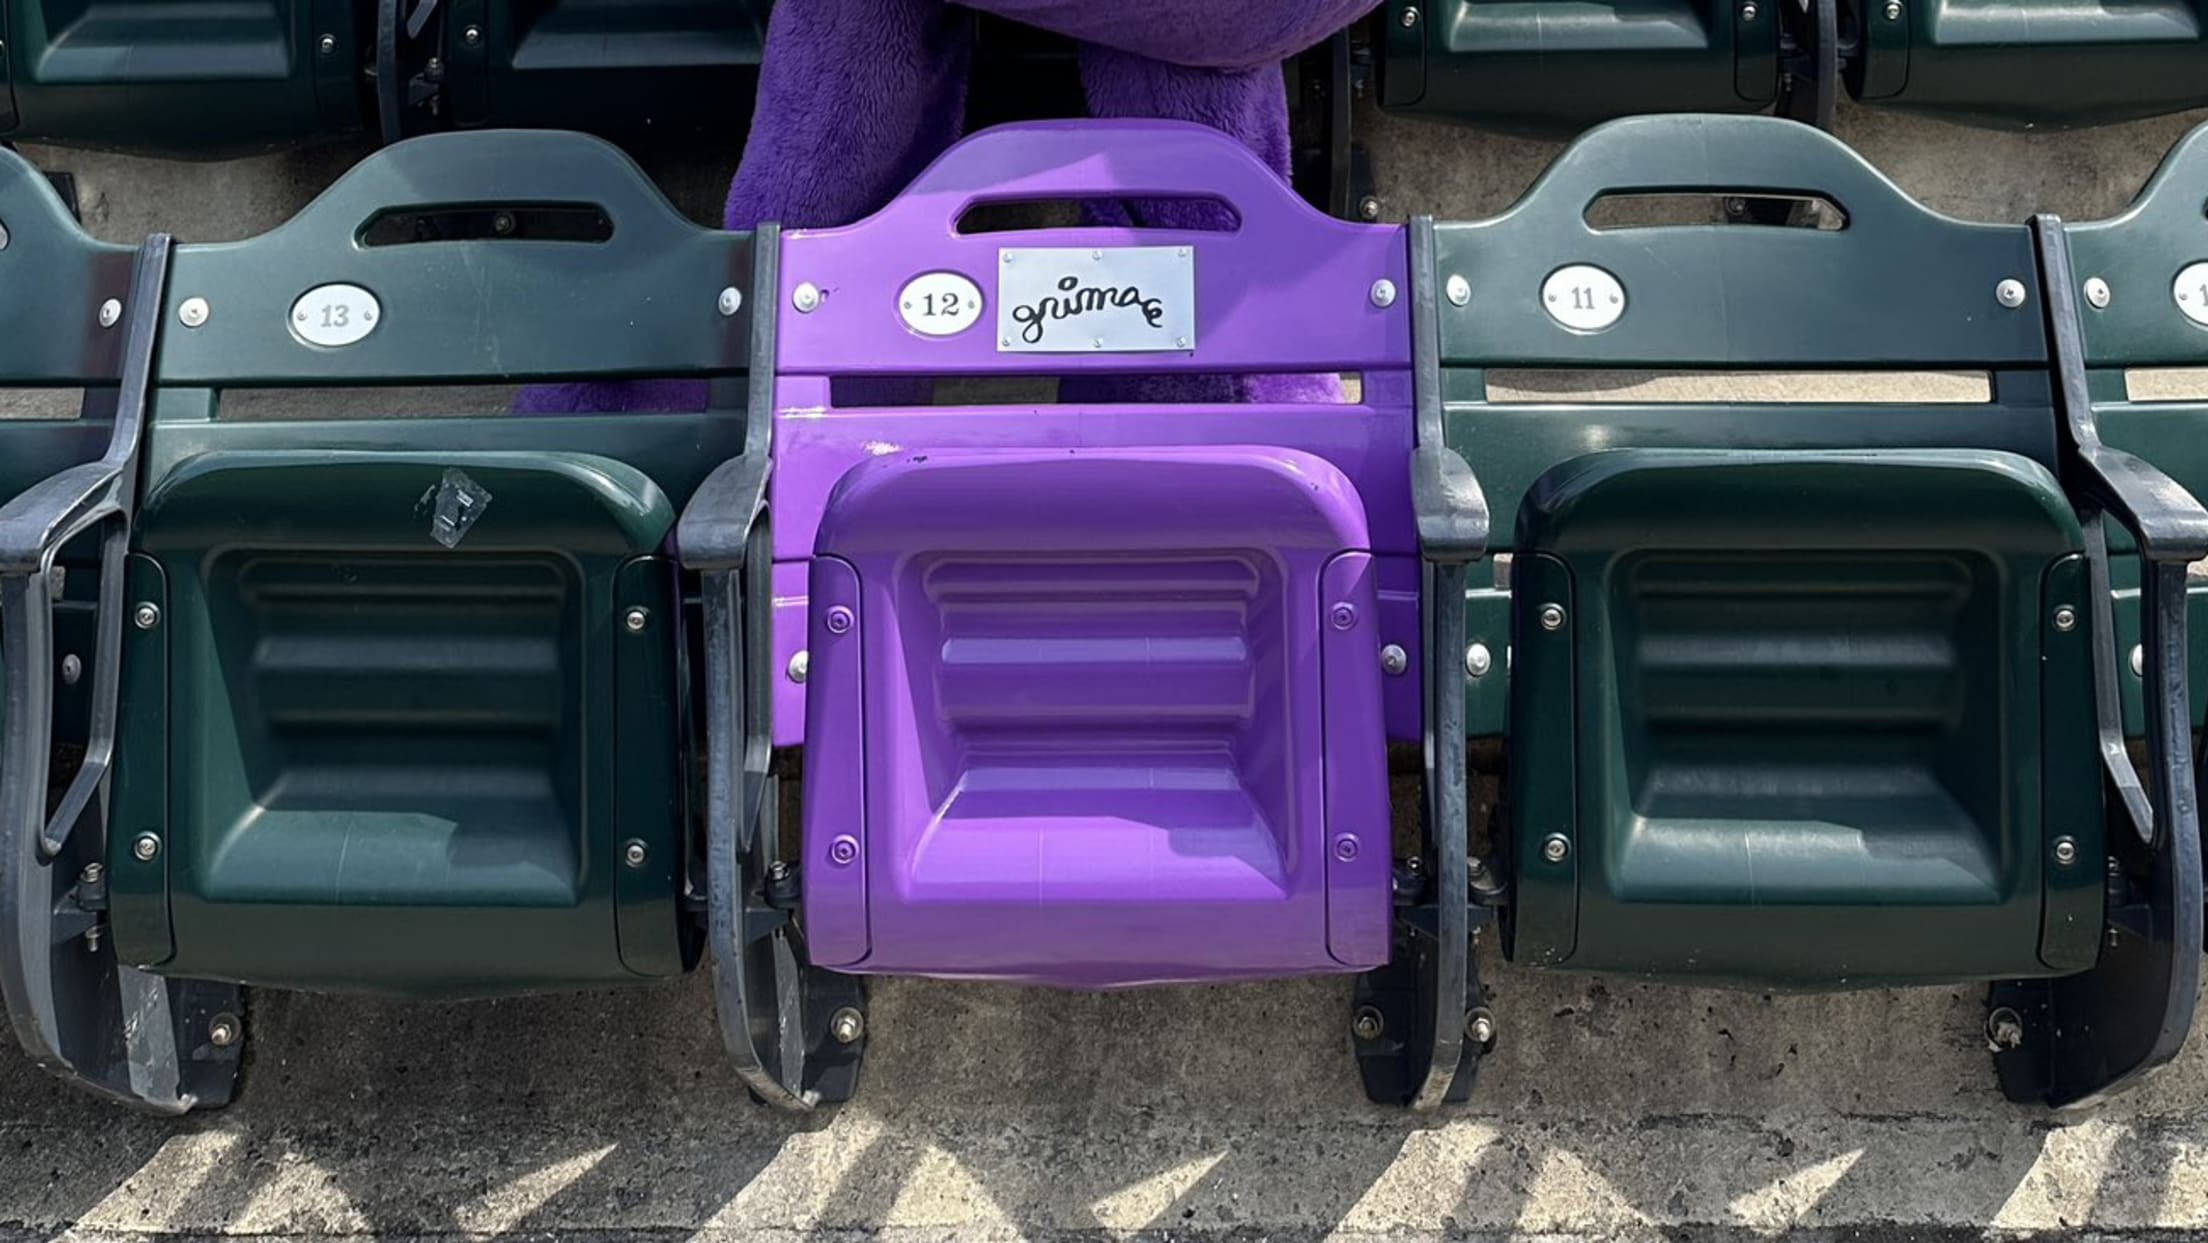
<point x="857" y="96"/>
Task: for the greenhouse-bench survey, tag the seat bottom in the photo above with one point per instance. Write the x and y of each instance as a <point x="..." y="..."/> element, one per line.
<point x="1103" y="740"/>
<point x="1823" y="728"/>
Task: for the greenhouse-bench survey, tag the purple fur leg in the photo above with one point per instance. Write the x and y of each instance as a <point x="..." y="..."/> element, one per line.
<point x="855" y="98"/>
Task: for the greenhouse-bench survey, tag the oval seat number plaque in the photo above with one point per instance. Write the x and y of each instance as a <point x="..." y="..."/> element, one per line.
<point x="335" y="315"/>
<point x="939" y="304"/>
<point x="1583" y="298"/>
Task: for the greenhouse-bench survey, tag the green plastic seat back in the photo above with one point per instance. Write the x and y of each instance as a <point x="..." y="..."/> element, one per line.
<point x="1559" y="66"/>
<point x="415" y="716"/>
<point x="677" y="69"/>
<point x="1784" y="699"/>
<point x="180" y="75"/>
<point x="2144" y="259"/>
<point x="2033" y="63"/>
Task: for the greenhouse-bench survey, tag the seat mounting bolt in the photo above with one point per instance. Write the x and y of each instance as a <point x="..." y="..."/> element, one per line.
<point x="838" y="620"/>
<point x="847" y="1025"/>
<point x="2010" y="293"/>
<point x="146" y="616"/>
<point x="636" y="620"/>
<point x="224" y="1031"/>
<point x="1367" y="1025"/>
<point x="1383" y="292"/>
<point x="1344" y="616"/>
<point x="2066" y="619"/>
<point x="1479" y="1026"/>
<point x="193" y="312"/>
<point x="731" y="300"/>
<point x="1410" y="17"/>
<point x="1552" y="617"/>
<point x="1893" y="11"/>
<point x="634" y="854"/>
<point x="2066" y="851"/>
<point x="1394" y="660"/>
<point x="145" y="848"/>
<point x="110" y="312"/>
<point x="1555" y="848"/>
<point x="2098" y="294"/>
<point x="1460" y="290"/>
<point x="800" y="665"/>
<point x="806" y="298"/>
<point x="2004" y="1029"/>
<point x="1368" y="208"/>
<point x="327" y="44"/>
<point x="472" y="35"/>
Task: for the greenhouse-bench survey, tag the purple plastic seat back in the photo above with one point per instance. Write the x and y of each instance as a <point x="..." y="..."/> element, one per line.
<point x="1093" y="694"/>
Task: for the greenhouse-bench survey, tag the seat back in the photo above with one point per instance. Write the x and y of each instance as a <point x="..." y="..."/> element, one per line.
<point x="1559" y="66"/>
<point x="1790" y="693"/>
<point x="172" y="75"/>
<point x="1092" y="690"/>
<point x="2031" y="64"/>
<point x="415" y="716"/>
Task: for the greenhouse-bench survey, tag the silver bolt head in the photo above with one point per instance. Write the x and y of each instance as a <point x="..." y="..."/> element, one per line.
<point x="636" y="620"/>
<point x="1394" y="660"/>
<point x="1367" y="1024"/>
<point x="847" y="1025"/>
<point x="778" y="870"/>
<point x="634" y="854"/>
<point x="2066" y="618"/>
<point x="1747" y="12"/>
<point x="1383" y="292"/>
<point x="472" y="35"/>
<point x="1893" y="11"/>
<point x="1368" y="208"/>
<point x="1479" y="1026"/>
<point x="1477" y="660"/>
<point x="806" y="298"/>
<point x="72" y="670"/>
<point x="224" y="1031"/>
<point x="3" y="237"/>
<point x="1552" y="617"/>
<point x="2066" y="851"/>
<point x="731" y="300"/>
<point x="2009" y="293"/>
<point x="1555" y="848"/>
<point x="328" y="44"/>
<point x="93" y="873"/>
<point x="1459" y="290"/>
<point x="1410" y="17"/>
<point x="193" y="312"/>
<point x="146" y="616"/>
<point x="145" y="848"/>
<point x="111" y="312"/>
<point x="2098" y="293"/>
<point x="2138" y="661"/>
<point x="800" y="665"/>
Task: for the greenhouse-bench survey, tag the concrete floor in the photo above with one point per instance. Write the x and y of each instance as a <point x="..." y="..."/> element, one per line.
<point x="1611" y="1109"/>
